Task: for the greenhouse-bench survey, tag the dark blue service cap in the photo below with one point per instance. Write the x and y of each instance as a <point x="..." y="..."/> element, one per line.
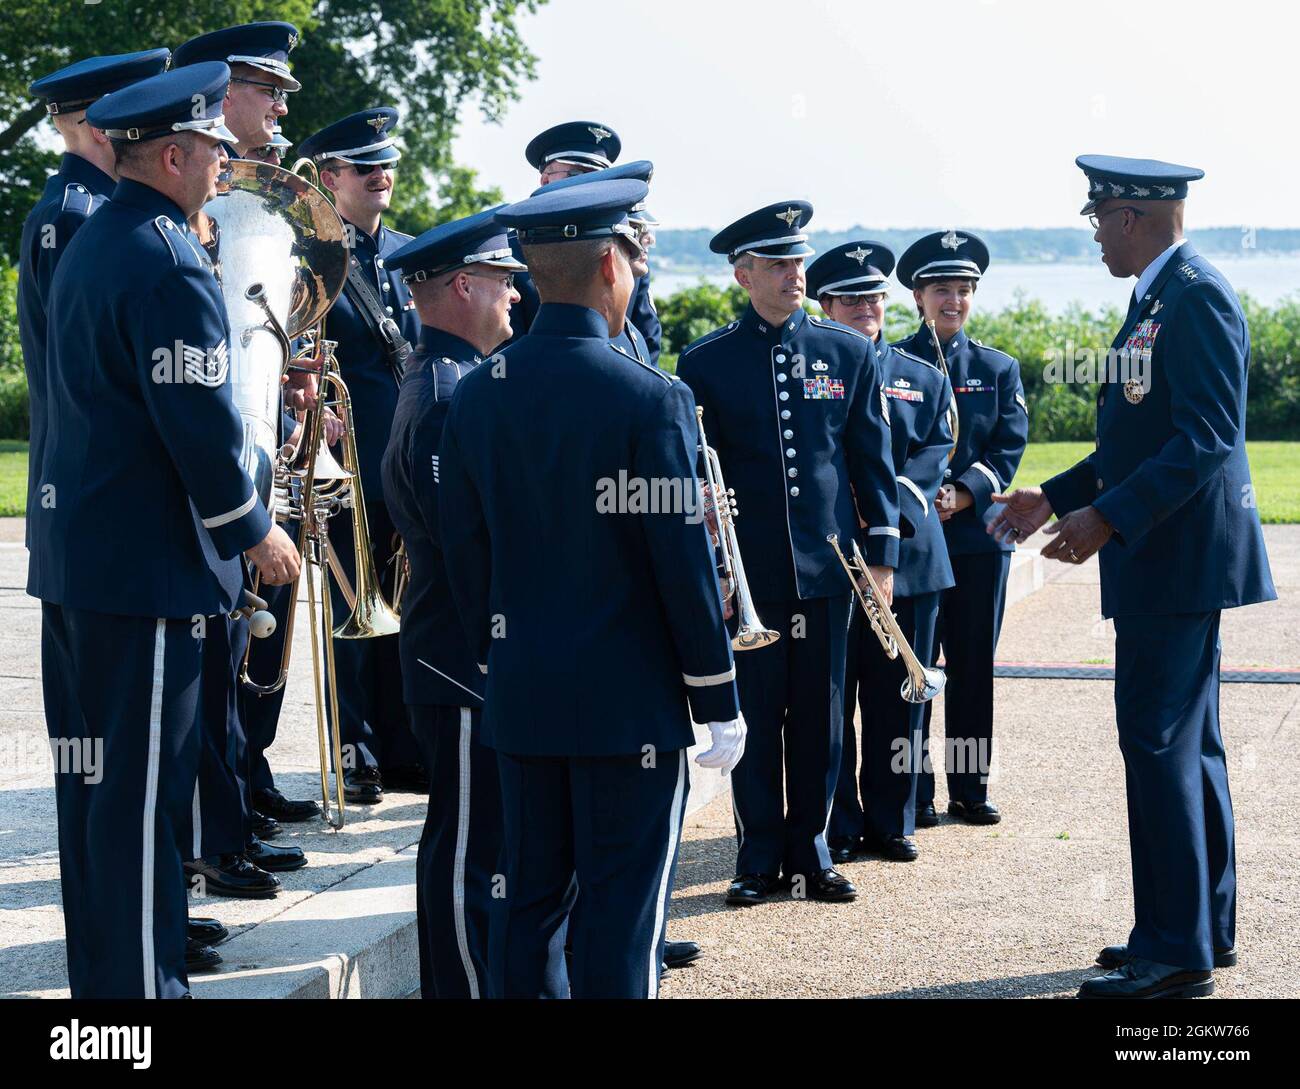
<point x="586" y="144"/>
<point x="1112" y="177"/>
<point x="166" y="104"/>
<point x="855" y="268"/>
<point x="943" y="255"/>
<point x="475" y="240"/>
<point x="262" y="45"/>
<point x="776" y="231"/>
<point x="640" y="169"/>
<point x="76" y="86"/>
<point x="576" y="213"/>
<point x="365" y="137"/>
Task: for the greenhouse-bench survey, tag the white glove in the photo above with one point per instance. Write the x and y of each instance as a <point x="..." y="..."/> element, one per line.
<point x="728" y="745"/>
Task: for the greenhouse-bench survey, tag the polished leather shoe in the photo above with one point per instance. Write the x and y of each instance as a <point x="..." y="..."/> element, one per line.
<point x="842" y="850"/>
<point x="265" y="827"/>
<point x="411" y="778"/>
<point x="975" y="812"/>
<point x="232" y="875"/>
<point x="271" y="803"/>
<point x="200" y="957"/>
<point x="895" y="847"/>
<point x="830" y="887"/>
<point x="751" y="888"/>
<point x="926" y="816"/>
<point x="205" y="931"/>
<point x="274" y="858"/>
<point x="363" y="786"/>
<point x="1114" y="955"/>
<point x="680" y="954"/>
<point x="1138" y="978"/>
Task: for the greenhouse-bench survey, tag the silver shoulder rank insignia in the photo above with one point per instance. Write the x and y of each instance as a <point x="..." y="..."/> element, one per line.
<point x="599" y="133"/>
<point x="377" y="123"/>
<point x="1188" y="271"/>
<point x="1141" y="191"/>
<point x="1165" y="190"/>
<point x="1156" y="306"/>
<point x="859" y="255"/>
<point x="790" y="215"/>
<point x="1133" y="391"/>
<point x="207" y="368"/>
<point x="952" y="240"/>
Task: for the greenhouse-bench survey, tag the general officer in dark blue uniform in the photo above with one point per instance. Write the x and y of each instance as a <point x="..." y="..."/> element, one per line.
<point x="943" y="269"/>
<point x="793" y="406"/>
<point x="461" y="276"/>
<point x="375" y="324"/>
<point x="569" y="151"/>
<point x="142" y="454"/>
<point x="1167" y="499"/>
<point x="850" y="283"/>
<point x="594" y="615"/>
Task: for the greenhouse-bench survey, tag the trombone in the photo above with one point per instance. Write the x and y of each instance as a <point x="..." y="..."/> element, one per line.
<point x="751" y="632"/>
<point x="922" y="683"/>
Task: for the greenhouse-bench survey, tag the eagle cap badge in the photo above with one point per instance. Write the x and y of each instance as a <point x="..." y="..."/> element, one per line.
<point x="599" y="133"/>
<point x="859" y="255"/>
<point x="952" y="240"/>
<point x="790" y="215"/>
<point x="377" y="123"/>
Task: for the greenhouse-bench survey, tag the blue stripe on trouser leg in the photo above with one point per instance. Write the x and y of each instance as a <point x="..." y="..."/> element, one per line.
<point x="459" y="857"/>
<point x="1180" y="813"/>
<point x="137" y="682"/>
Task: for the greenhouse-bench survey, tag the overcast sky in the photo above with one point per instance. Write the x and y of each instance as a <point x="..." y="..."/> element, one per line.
<point x="950" y="112"/>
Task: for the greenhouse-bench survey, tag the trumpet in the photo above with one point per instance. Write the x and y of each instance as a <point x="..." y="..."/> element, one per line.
<point x="751" y="632"/>
<point x="922" y="683"/>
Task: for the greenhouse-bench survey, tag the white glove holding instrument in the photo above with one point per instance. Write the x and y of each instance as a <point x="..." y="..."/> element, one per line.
<point x="728" y="745"/>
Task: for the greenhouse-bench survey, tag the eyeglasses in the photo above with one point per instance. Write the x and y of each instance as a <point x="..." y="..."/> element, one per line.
<point x="858" y="300"/>
<point x="1095" y="220"/>
<point x="363" y="169"/>
<point x="507" y="281"/>
<point x="273" y="91"/>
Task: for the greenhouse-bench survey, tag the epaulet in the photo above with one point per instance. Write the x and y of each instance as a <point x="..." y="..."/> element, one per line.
<point x="989" y="348"/>
<point x="1188" y="272"/>
<point x="77" y="199"/>
<point x="709" y="338"/>
<point x="171" y="235"/>
<point x="826" y="323"/>
<point x="669" y="378"/>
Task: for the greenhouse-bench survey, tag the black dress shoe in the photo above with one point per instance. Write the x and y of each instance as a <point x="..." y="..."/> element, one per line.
<point x="274" y="858"/>
<point x="233" y="875"/>
<point x="842" y="850"/>
<point x="271" y="803"/>
<point x="363" y="786"/>
<point x="1115" y="955"/>
<point x="265" y="827"/>
<point x="830" y="887"/>
<point x="975" y="812"/>
<point x="200" y="957"/>
<point x="1138" y="978"/>
<point x="751" y="888"/>
<point x="408" y="777"/>
<point x="926" y="817"/>
<point x="680" y="954"/>
<point x="205" y="931"/>
<point x="895" y="847"/>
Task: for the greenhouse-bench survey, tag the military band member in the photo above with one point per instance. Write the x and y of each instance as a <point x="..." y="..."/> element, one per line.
<point x="793" y="405"/>
<point x="137" y="443"/>
<point x="461" y="275"/>
<point x="943" y="270"/>
<point x="598" y="624"/>
<point x="374" y="322"/>
<point x="850" y="284"/>
<point x="1167" y="500"/>
<point x="570" y="151"/>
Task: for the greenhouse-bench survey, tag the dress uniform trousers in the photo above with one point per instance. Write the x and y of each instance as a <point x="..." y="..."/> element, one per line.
<point x="459" y="895"/>
<point x="791" y="694"/>
<point x="970" y="620"/>
<point x="373" y="728"/>
<point x="260" y="715"/>
<point x="612" y="822"/>
<point x="131" y="686"/>
<point x="891" y="728"/>
<point x="1179" y="809"/>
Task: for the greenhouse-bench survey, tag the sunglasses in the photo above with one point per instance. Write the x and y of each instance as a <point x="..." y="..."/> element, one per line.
<point x="364" y="169"/>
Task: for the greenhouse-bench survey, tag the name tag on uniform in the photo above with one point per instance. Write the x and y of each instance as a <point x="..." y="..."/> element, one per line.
<point x="823" y="389"/>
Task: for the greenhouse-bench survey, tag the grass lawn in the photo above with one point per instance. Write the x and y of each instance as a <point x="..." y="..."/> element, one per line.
<point x="1274" y="468"/>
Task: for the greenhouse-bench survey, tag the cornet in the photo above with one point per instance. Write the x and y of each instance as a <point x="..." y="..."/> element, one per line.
<point x="922" y="683"/>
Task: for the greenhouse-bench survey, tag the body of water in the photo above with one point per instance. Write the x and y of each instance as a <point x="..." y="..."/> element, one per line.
<point x="1265" y="278"/>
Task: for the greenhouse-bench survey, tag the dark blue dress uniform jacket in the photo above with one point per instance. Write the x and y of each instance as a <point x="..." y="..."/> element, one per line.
<point x="1169" y="472"/>
<point x="437" y="666"/>
<point x="371" y="382"/>
<point x="918" y="397"/>
<point x="70" y="196"/>
<point x="152" y="508"/>
<point x="993" y="426"/>
<point x="796" y="415"/>
<point x="606" y="623"/>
